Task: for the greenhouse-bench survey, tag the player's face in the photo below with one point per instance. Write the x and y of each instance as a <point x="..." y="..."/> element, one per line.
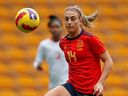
<point x="55" y="28"/>
<point x="72" y="21"/>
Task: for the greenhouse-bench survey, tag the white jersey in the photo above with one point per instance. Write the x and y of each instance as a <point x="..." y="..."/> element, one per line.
<point x="58" y="66"/>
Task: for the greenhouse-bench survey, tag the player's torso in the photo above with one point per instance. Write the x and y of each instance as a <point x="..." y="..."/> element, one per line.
<point x="77" y="50"/>
<point x="84" y="65"/>
<point x="52" y="51"/>
<point x="58" y="70"/>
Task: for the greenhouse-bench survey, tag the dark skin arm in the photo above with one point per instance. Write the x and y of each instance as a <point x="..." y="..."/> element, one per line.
<point x="38" y="66"/>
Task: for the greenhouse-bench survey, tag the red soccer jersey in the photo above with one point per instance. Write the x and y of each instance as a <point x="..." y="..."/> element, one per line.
<point x="82" y="54"/>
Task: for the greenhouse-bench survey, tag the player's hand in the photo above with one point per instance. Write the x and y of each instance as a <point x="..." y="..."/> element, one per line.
<point x="39" y="68"/>
<point x="98" y="89"/>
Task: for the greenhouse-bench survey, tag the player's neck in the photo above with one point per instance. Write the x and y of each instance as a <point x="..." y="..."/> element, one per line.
<point x="74" y="34"/>
<point x="56" y="39"/>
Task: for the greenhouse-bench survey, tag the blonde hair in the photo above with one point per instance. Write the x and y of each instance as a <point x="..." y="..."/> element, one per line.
<point x="86" y="20"/>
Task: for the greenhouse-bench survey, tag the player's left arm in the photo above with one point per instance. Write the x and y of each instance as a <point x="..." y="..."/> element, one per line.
<point x="39" y="58"/>
<point x="100" y="51"/>
<point x="105" y="57"/>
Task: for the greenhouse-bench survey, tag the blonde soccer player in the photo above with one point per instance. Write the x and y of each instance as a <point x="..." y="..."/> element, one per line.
<point x="83" y="52"/>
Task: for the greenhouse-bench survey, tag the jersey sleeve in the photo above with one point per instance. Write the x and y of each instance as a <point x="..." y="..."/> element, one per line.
<point x="96" y="45"/>
<point x="40" y="53"/>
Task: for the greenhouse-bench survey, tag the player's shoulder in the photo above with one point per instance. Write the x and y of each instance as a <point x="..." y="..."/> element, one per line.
<point x="44" y="42"/>
<point x="89" y="35"/>
<point x="63" y="39"/>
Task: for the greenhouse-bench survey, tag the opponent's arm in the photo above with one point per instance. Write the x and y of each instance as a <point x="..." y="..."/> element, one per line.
<point x="40" y="56"/>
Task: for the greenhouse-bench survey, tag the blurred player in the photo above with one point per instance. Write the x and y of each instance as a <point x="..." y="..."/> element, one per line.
<point x="83" y="52"/>
<point x="49" y="49"/>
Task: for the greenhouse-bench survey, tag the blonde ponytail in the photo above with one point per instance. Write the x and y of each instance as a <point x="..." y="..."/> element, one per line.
<point x="86" y="20"/>
<point x="93" y="16"/>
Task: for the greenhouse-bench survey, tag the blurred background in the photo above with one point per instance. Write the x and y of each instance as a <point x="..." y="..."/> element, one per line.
<point x="18" y="49"/>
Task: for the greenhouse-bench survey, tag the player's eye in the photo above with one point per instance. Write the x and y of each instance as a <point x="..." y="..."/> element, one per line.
<point x="73" y="18"/>
<point x="55" y="26"/>
<point x="66" y="18"/>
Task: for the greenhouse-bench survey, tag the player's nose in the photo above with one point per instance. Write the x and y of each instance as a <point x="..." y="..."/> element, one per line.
<point x="69" y="22"/>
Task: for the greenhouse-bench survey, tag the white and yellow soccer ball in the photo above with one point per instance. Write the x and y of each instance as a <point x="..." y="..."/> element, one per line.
<point x="27" y="20"/>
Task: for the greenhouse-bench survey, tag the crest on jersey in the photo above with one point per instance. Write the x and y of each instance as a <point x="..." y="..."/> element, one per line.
<point x="80" y="45"/>
<point x="65" y="47"/>
<point x="58" y="56"/>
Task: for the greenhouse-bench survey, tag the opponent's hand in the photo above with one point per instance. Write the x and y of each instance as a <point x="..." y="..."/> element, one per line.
<point x="98" y="89"/>
<point x="39" y="68"/>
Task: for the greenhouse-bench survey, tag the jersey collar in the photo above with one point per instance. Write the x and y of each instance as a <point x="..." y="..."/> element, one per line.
<point x="74" y="37"/>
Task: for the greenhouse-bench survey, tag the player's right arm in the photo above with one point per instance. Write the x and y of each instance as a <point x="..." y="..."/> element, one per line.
<point x="39" y="57"/>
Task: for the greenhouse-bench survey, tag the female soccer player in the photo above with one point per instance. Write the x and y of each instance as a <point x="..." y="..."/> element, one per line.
<point x="49" y="49"/>
<point x="83" y="52"/>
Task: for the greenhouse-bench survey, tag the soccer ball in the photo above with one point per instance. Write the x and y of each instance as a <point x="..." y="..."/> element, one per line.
<point x="27" y="20"/>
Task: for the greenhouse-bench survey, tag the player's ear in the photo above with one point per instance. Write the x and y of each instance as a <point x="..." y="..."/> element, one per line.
<point x="80" y="19"/>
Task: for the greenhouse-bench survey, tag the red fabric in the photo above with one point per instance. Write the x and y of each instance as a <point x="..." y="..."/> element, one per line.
<point x="82" y="55"/>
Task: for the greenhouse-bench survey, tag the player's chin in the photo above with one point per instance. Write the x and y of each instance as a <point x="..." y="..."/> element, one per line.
<point x="70" y="30"/>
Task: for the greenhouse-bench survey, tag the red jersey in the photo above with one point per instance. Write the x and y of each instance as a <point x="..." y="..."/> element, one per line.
<point x="82" y="54"/>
